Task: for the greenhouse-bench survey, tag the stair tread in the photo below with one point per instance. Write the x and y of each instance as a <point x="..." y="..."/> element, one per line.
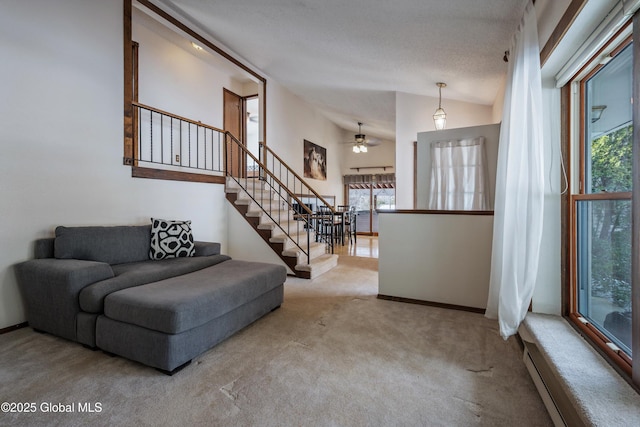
<point x="295" y="251"/>
<point x="282" y="238"/>
<point x="231" y="183"/>
<point x="266" y="226"/>
<point x="245" y="196"/>
<point x="321" y="261"/>
<point x="272" y="225"/>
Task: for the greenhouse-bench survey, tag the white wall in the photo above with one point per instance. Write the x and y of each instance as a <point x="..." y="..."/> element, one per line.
<point x="244" y="243"/>
<point x="546" y="296"/>
<point x="179" y="81"/>
<point x="414" y="113"/>
<point x="62" y="137"/>
<point x="498" y="104"/>
<point x="383" y="154"/>
<point x="436" y="257"/>
<point x="291" y="120"/>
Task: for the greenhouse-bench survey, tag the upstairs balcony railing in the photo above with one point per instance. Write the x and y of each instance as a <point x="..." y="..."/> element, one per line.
<point x="167" y="141"/>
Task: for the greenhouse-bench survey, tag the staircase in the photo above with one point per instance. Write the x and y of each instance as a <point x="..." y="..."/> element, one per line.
<point x="264" y="191"/>
<point x="267" y="204"/>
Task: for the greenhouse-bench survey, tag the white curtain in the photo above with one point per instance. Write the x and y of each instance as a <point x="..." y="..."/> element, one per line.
<point x="517" y="230"/>
<point x="458" y="175"/>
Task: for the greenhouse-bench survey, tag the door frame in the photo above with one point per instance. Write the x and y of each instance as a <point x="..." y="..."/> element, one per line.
<point x="372" y="204"/>
<point x="228" y="96"/>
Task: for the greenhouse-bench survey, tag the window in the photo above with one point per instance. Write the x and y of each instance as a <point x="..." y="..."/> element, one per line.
<point x="601" y="208"/>
<point x="458" y="175"/>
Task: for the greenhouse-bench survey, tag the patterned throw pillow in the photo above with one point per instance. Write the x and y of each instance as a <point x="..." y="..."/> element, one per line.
<point x="171" y="239"/>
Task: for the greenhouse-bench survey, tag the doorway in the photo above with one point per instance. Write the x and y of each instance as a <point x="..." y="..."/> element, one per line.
<point x="242" y="120"/>
<point x="367" y="197"/>
<point x="251" y="110"/>
<point x="233" y="123"/>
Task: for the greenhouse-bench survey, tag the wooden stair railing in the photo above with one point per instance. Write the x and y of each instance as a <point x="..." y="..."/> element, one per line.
<point x="171" y="142"/>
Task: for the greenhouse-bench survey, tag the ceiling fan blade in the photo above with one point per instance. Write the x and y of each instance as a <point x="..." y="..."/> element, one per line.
<point x="373" y="142"/>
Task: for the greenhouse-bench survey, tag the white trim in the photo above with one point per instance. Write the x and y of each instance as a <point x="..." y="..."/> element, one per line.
<point x="630" y="7"/>
<point x="615" y="19"/>
<point x="543" y="391"/>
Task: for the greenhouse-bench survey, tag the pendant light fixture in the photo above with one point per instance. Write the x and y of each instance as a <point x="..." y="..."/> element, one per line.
<point x="440" y="117"/>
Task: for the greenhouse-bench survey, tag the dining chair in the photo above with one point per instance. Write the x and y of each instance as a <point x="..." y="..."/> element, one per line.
<point x="350" y="225"/>
<point x="324" y="226"/>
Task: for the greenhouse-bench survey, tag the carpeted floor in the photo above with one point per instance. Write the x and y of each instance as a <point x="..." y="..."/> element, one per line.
<point x="332" y="355"/>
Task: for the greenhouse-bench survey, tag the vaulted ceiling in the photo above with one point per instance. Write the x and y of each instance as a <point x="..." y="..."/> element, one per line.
<point x="348" y="58"/>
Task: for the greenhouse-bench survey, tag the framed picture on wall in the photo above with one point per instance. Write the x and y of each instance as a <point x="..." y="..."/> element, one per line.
<point x="315" y="161"/>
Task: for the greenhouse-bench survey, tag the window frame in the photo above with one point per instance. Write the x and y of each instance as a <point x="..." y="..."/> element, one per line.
<point x="576" y="121"/>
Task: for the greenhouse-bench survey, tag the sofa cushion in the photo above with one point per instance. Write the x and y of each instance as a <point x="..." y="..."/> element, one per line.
<point x="170" y="239"/>
<point x="138" y="273"/>
<point x="184" y="302"/>
<point x="113" y="245"/>
<point x="206" y="248"/>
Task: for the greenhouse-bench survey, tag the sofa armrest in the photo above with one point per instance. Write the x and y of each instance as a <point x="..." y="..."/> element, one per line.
<point x="207" y="249"/>
<point x="50" y="289"/>
<point x="43" y="248"/>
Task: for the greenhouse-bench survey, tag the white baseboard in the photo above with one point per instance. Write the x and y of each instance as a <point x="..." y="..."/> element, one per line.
<point x="548" y="401"/>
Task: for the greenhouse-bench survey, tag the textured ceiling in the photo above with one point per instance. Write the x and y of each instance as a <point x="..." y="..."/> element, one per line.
<point x="348" y="58"/>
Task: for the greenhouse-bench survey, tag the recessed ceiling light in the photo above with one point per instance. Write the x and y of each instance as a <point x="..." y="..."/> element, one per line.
<point x="196" y="46"/>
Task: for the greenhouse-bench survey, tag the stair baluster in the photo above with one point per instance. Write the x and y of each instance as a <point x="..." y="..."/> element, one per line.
<point x="278" y="193"/>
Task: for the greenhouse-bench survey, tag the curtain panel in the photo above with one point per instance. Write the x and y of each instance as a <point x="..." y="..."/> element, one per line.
<point x="519" y="200"/>
<point x="459" y="175"/>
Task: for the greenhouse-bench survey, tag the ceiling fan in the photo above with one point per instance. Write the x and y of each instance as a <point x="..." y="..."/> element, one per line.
<point x="361" y="143"/>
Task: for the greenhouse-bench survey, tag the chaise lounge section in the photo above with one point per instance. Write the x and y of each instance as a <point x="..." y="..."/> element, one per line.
<point x="99" y="287"/>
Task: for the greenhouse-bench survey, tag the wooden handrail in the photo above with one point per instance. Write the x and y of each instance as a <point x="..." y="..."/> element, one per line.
<point x="175" y="116"/>
<point x="300" y="178"/>
<point x="268" y="172"/>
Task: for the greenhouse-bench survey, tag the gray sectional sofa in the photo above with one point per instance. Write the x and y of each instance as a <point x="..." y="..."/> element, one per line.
<point x="99" y="287"/>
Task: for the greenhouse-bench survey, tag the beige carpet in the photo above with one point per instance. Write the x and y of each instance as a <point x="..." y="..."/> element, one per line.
<point x="332" y="355"/>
